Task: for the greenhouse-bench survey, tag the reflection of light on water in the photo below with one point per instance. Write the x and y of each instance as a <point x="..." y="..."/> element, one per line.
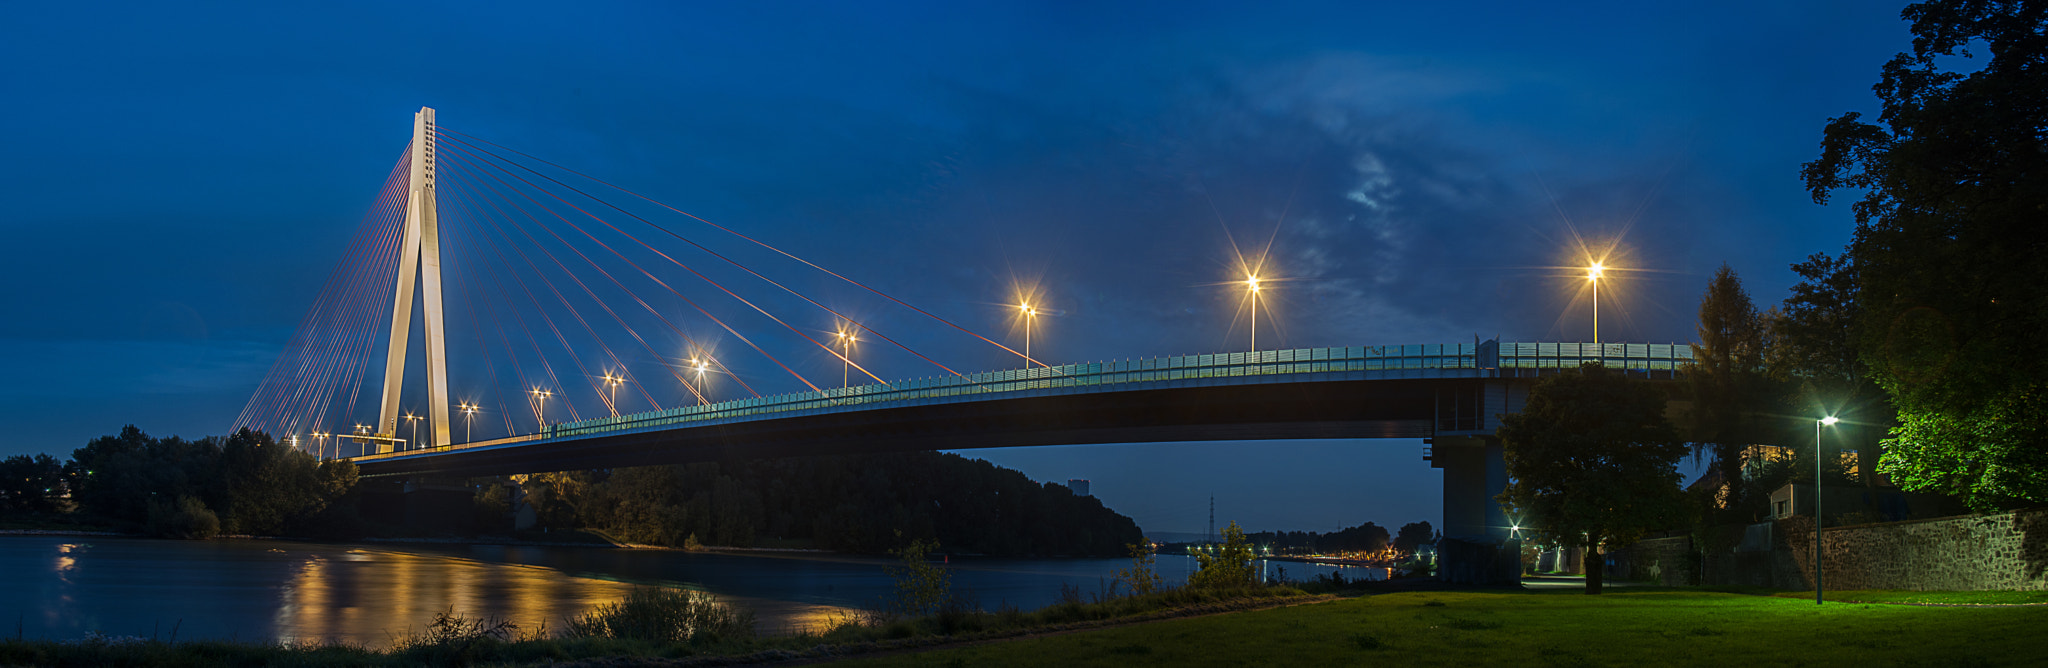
<point x="375" y="598"/>
<point x="66" y="562"/>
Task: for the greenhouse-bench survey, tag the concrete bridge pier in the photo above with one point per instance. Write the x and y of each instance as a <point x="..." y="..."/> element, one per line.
<point x="1476" y="546"/>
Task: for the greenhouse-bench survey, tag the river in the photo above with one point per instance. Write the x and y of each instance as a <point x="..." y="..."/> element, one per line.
<point x="65" y="587"/>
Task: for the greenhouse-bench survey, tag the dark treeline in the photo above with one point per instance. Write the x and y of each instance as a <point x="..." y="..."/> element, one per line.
<point x="1367" y="537"/>
<point x="240" y="484"/>
<point x="862" y="504"/>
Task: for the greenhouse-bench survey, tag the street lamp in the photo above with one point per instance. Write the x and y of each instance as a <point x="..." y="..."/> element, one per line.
<point x="415" y="420"/>
<point x="1828" y="421"/>
<point x="1030" y="319"/>
<point x="1251" y="283"/>
<point x="540" y="412"/>
<point x="322" y="439"/>
<point x="846" y="340"/>
<point x="468" y="414"/>
<point x="699" y="365"/>
<point x="613" y="382"/>
<point x="1593" y="275"/>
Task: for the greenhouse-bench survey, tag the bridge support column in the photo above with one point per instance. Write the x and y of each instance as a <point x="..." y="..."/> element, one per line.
<point x="1476" y="547"/>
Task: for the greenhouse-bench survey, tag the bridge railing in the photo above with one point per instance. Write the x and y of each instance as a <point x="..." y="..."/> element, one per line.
<point x="1472" y="359"/>
<point x="1487" y="359"/>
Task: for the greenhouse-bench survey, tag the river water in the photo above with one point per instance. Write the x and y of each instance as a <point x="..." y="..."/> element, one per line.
<point x="65" y="587"/>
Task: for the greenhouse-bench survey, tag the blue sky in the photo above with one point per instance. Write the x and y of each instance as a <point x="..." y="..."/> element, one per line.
<point x="181" y="179"/>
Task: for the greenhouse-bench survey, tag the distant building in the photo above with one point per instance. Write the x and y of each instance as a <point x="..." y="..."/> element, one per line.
<point x="1079" y="486"/>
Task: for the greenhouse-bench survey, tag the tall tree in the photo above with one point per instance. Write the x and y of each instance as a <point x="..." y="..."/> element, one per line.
<point x="1734" y="400"/>
<point x="1950" y="251"/>
<point x="1813" y="347"/>
<point x="1591" y="460"/>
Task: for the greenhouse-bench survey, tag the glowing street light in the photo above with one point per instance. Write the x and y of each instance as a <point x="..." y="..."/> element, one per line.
<point x="613" y="382"/>
<point x="1828" y="421"/>
<point x="540" y="411"/>
<point x="415" y="420"/>
<point x="468" y="414"/>
<point x="1593" y="274"/>
<point x="699" y="366"/>
<point x="1030" y="320"/>
<point x="321" y="437"/>
<point x="1251" y="283"/>
<point x="846" y="340"/>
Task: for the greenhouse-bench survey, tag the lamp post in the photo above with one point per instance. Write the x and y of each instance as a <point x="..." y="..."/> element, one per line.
<point x="845" y="357"/>
<point x="322" y="439"/>
<point x="365" y="449"/>
<point x="1828" y="421"/>
<point x="1251" y="283"/>
<point x="540" y="411"/>
<point x="415" y="420"/>
<point x="1593" y="275"/>
<point x="698" y="365"/>
<point x="613" y="382"/>
<point x="1030" y="319"/>
<point x="468" y="415"/>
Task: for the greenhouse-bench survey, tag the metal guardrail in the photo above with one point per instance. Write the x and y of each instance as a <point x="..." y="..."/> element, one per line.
<point x="1461" y="360"/>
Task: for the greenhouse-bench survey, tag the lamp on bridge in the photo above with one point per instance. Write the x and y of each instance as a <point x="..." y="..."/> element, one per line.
<point x="1251" y="283"/>
<point x="1828" y="421"/>
<point x="698" y="365"/>
<point x="1593" y="274"/>
<point x="540" y="407"/>
<point x="415" y="420"/>
<point x="846" y="340"/>
<point x="468" y="412"/>
<point x="321" y="438"/>
<point x="613" y="382"/>
<point x="1030" y="319"/>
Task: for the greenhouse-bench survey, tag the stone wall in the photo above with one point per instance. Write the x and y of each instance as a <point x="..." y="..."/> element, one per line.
<point x="1666" y="561"/>
<point x="2007" y="551"/>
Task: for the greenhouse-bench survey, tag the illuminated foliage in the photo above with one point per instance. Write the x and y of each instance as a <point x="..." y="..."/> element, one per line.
<point x="1949" y="248"/>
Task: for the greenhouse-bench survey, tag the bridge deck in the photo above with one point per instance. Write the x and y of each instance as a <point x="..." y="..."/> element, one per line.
<point x="1296" y="366"/>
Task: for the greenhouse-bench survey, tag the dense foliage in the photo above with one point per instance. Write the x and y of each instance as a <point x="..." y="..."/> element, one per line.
<point x="1367" y="537"/>
<point x="244" y="483"/>
<point x="1225" y="566"/>
<point x="1592" y="460"/>
<point x="845" y="503"/>
<point x="1950" y="252"/>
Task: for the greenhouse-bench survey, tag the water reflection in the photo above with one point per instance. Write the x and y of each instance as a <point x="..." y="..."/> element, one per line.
<point x="62" y="587"/>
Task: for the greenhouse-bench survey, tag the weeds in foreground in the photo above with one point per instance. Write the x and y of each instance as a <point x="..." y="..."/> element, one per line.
<point x="662" y="615"/>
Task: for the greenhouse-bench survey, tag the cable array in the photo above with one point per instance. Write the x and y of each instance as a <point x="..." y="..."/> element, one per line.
<point x="578" y="306"/>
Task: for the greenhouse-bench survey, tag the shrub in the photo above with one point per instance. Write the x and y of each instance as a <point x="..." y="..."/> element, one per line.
<point x="921" y="588"/>
<point x="1230" y="567"/>
<point x="454" y="640"/>
<point x="665" y="615"/>
<point x="188" y="518"/>
<point x="1142" y="578"/>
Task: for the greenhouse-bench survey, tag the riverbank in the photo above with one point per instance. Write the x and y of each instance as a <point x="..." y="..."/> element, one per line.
<point x="1638" y="627"/>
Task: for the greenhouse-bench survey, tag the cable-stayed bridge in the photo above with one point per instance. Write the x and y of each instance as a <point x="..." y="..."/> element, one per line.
<point x="592" y="333"/>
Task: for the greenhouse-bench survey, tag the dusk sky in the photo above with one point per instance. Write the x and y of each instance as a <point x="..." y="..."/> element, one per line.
<point x="180" y="181"/>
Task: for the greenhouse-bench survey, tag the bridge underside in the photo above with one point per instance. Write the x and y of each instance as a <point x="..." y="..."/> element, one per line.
<point x="1336" y="409"/>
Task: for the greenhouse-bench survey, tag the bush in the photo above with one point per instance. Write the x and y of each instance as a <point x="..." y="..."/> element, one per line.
<point x="455" y="640"/>
<point x="1230" y="567"/>
<point x="188" y="519"/>
<point x="921" y="588"/>
<point x="665" y="615"/>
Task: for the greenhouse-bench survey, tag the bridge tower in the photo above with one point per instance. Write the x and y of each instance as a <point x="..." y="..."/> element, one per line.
<point x="419" y="257"/>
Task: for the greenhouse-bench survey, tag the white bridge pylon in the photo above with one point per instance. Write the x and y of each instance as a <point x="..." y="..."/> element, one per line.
<point x="419" y="256"/>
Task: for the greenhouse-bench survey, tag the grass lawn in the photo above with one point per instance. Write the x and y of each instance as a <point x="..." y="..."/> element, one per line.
<point x="1622" y="627"/>
<point x="1928" y="597"/>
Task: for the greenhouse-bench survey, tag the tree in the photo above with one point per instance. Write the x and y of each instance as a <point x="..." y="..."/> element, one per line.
<point x="1591" y="460"/>
<point x="1950" y="252"/>
<point x="1813" y="347"/>
<point x="1413" y="535"/>
<point x="1229" y="568"/>
<point x="31" y="484"/>
<point x="1732" y="396"/>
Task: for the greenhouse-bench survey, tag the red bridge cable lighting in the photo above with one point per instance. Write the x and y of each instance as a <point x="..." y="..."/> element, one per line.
<point x="267" y="403"/>
<point x="471" y="197"/>
<point x="498" y="326"/>
<point x="608" y="401"/>
<point x="693" y="271"/>
<point x="711" y="252"/>
<point x="742" y="337"/>
<point x="657" y="314"/>
<point x="727" y="230"/>
<point x="279" y="401"/>
<point x="511" y="308"/>
<point x="575" y="359"/>
<point x="465" y="287"/>
<point x="643" y="304"/>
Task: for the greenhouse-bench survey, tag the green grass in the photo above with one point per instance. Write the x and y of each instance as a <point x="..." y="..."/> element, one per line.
<point x="1655" y="627"/>
<point x="1928" y="597"/>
